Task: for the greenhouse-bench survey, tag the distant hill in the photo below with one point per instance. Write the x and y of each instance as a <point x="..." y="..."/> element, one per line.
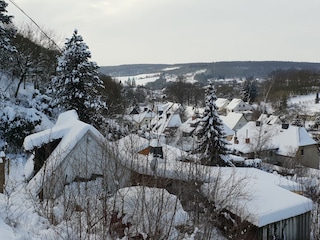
<point x="258" y="69"/>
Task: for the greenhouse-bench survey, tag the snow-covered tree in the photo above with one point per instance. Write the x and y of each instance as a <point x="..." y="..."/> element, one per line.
<point x="6" y="29"/>
<point x="212" y="145"/>
<point x="77" y="83"/>
<point x="298" y="121"/>
<point x="249" y="90"/>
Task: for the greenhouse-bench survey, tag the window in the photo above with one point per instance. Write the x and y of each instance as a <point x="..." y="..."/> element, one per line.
<point x="301" y="152"/>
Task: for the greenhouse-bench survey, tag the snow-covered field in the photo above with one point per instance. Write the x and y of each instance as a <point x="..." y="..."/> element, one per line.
<point x="140" y="79"/>
<point x="143" y="79"/>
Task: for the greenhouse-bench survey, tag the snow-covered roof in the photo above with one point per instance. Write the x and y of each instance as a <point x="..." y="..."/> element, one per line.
<point x="286" y="141"/>
<point x="70" y="130"/>
<point x="174" y="121"/>
<point x="238" y="103"/>
<point x="222" y="102"/>
<point x="168" y="118"/>
<point x="138" y="118"/>
<point x="165" y="120"/>
<point x="234" y="103"/>
<point x="231" y="119"/>
<point x="168" y="107"/>
<point x="269" y="119"/>
<point x="268" y="197"/>
<point x="136" y="143"/>
<point x="227" y="131"/>
<point x="186" y="127"/>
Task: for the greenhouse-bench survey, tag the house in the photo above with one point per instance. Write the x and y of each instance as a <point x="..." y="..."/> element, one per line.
<point x="71" y="151"/>
<point x="140" y="120"/>
<point x="221" y="104"/>
<point x="141" y="147"/>
<point x="238" y="105"/>
<point x="234" y="120"/>
<point x="168" y="117"/>
<point x="280" y="144"/>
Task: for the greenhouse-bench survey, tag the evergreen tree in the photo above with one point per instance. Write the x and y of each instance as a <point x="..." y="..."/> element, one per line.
<point x="212" y="144"/>
<point x="7" y="33"/>
<point x="249" y="90"/>
<point x="77" y="83"/>
<point x="6" y="29"/>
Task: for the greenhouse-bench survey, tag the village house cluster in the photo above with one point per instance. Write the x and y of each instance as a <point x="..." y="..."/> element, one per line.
<point x="159" y="154"/>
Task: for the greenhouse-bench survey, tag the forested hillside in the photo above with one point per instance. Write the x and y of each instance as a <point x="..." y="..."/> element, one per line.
<point x="232" y="69"/>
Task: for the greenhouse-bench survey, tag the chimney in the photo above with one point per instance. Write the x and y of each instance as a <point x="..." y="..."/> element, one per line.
<point x="285" y="125"/>
<point x="157" y="152"/>
<point x="156" y="146"/>
<point x="2" y="170"/>
<point x="247" y="140"/>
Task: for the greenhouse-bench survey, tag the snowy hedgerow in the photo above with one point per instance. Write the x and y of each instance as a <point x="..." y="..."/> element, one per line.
<point x="77" y="83"/>
<point x="16" y="124"/>
<point x="212" y="145"/>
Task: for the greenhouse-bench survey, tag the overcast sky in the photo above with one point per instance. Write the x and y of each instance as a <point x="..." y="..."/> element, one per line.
<point x="181" y="31"/>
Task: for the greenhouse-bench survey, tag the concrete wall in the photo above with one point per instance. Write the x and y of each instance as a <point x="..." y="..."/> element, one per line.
<point x="308" y="156"/>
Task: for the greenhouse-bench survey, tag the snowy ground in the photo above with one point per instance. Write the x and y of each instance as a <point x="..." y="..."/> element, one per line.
<point x="19" y="219"/>
<point x="23" y="218"/>
<point x="305" y="102"/>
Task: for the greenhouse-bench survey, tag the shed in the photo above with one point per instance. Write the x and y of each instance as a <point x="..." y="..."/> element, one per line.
<point x="77" y="152"/>
<point x="270" y="204"/>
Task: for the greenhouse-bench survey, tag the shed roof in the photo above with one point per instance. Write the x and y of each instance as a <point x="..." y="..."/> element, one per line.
<point x="267" y="198"/>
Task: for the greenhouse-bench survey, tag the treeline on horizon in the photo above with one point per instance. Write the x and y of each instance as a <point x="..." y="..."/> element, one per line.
<point x="230" y="69"/>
